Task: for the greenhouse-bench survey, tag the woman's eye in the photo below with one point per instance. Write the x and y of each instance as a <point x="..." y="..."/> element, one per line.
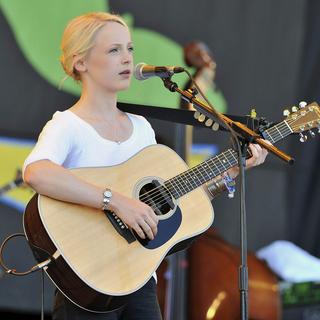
<point x="131" y="49"/>
<point x="113" y="50"/>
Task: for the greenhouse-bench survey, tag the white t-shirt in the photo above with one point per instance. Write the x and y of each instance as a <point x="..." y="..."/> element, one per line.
<point x="71" y="142"/>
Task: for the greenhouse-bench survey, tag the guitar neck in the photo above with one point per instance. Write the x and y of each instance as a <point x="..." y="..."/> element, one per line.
<point x="202" y="173"/>
<point x="278" y="131"/>
<point x="211" y="168"/>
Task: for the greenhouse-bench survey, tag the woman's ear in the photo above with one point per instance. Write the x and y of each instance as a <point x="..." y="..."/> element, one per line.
<point x="79" y="64"/>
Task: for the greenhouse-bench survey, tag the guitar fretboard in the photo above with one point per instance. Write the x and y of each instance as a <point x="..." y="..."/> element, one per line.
<point x="211" y="168"/>
<point x="278" y="132"/>
<point x="200" y="174"/>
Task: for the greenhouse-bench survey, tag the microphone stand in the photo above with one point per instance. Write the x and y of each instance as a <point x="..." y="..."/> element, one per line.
<point x="241" y="136"/>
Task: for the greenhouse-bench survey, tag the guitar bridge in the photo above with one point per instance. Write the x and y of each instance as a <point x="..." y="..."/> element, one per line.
<point x="120" y="226"/>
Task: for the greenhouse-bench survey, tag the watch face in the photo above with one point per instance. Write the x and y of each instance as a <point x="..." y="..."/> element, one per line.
<point x="107" y="194"/>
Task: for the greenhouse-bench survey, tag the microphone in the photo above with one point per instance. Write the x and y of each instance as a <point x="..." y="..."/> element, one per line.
<point x="144" y="71"/>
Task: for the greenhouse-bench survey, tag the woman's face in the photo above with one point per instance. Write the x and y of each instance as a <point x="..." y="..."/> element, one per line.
<point x="109" y="63"/>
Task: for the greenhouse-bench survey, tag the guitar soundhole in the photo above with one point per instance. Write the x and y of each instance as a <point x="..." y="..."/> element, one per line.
<point x="157" y="197"/>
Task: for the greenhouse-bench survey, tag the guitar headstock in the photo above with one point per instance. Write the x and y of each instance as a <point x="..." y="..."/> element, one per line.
<point x="304" y="118"/>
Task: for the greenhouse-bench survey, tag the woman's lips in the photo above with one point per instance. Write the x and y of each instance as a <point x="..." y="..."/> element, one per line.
<point x="126" y="72"/>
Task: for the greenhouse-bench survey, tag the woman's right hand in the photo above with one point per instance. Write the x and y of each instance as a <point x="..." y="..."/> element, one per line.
<point x="135" y="214"/>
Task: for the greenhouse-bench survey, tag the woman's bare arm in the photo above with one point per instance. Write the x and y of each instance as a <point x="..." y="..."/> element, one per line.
<point x="50" y="179"/>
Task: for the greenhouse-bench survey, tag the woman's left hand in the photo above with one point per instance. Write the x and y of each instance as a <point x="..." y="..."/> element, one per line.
<point x="258" y="157"/>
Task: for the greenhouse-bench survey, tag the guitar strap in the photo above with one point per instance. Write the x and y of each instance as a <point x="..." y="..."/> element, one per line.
<point x="179" y="116"/>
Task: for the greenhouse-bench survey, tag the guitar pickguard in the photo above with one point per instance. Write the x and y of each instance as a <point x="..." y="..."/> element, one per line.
<point x="166" y="230"/>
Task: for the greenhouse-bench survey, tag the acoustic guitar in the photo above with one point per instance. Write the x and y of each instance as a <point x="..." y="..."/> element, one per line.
<point x="95" y="259"/>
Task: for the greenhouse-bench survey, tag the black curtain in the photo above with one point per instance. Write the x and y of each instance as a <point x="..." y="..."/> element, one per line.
<point x="304" y="177"/>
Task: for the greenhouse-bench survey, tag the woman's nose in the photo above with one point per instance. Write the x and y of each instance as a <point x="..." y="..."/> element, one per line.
<point x="127" y="57"/>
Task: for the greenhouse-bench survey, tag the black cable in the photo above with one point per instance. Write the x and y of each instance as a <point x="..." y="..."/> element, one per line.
<point x="36" y="267"/>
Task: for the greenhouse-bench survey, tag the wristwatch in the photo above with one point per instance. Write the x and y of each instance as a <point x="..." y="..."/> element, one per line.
<point x="107" y="195"/>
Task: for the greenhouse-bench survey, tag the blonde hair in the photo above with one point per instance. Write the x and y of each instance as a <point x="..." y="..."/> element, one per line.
<point x="78" y="38"/>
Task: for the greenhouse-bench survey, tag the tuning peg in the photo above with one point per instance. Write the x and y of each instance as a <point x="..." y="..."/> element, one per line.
<point x="312" y="134"/>
<point x="196" y="115"/>
<point x="311" y="108"/>
<point x="201" y="118"/>
<point x="215" y="126"/>
<point x="294" y="109"/>
<point x="286" y="112"/>
<point x="209" y="122"/>
<point x="302" y="104"/>
<point x="303" y="138"/>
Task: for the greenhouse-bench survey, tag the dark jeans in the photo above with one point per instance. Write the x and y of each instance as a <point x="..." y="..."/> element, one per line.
<point x="142" y="305"/>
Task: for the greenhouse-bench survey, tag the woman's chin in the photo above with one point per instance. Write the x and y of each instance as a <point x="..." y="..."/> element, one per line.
<point x="123" y="87"/>
<point x="115" y="87"/>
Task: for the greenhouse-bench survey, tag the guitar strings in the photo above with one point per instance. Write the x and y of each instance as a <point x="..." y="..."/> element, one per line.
<point x="193" y="184"/>
<point x="220" y="167"/>
<point x="276" y="136"/>
<point x="177" y="180"/>
<point x="292" y="121"/>
<point x="173" y="185"/>
<point x="178" y="184"/>
<point x="155" y="201"/>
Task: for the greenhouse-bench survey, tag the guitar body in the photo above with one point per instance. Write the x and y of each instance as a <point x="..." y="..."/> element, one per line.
<point x="95" y="267"/>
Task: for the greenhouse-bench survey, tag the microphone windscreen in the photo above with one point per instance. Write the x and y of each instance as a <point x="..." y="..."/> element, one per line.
<point x="137" y="73"/>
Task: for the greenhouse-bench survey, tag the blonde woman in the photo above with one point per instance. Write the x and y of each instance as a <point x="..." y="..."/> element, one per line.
<point x="97" y="51"/>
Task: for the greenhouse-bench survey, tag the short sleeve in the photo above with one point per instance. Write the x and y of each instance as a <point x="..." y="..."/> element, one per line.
<point x="150" y="133"/>
<point x="54" y="142"/>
